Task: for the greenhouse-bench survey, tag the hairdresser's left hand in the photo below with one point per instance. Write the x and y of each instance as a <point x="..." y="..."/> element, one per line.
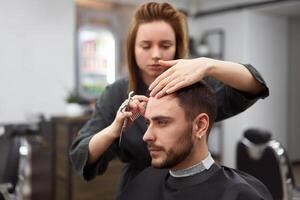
<point x="181" y="73"/>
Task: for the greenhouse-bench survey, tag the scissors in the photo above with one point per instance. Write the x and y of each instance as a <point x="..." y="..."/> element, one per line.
<point x="123" y="109"/>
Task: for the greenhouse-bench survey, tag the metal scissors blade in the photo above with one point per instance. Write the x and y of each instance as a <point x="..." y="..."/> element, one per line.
<point x="130" y="95"/>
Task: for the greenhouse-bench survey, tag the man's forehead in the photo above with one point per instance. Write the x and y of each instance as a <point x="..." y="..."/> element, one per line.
<point x="171" y="98"/>
<point x="161" y="105"/>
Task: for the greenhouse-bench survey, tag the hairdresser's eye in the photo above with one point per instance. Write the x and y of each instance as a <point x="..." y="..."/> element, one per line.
<point x="145" y="46"/>
<point x="166" y="46"/>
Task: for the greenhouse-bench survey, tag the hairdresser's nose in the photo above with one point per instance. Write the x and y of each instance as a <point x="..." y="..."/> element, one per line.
<point x="156" y="53"/>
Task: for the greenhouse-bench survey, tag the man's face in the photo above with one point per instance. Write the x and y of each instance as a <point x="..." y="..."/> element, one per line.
<point x="169" y="135"/>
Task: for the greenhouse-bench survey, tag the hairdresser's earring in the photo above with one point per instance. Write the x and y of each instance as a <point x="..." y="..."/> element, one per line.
<point x="200" y="137"/>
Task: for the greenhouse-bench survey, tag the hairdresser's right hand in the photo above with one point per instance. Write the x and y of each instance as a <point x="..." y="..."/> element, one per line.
<point x="101" y="141"/>
<point x="136" y="106"/>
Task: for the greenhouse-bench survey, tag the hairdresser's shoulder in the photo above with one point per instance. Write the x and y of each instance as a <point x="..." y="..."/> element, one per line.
<point x="120" y="84"/>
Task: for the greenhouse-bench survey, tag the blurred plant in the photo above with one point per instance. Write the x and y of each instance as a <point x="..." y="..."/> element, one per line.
<point x="73" y="97"/>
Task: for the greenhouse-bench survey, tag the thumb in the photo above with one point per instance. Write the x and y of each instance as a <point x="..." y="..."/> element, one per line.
<point x="167" y="63"/>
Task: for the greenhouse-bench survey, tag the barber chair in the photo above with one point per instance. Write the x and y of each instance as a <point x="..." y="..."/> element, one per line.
<point x="14" y="162"/>
<point x="9" y="148"/>
<point x="265" y="159"/>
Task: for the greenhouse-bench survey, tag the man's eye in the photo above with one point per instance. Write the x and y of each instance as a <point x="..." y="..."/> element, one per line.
<point x="147" y="123"/>
<point x="162" y="122"/>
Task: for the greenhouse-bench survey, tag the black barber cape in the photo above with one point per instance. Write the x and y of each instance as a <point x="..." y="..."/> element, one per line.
<point x="220" y="183"/>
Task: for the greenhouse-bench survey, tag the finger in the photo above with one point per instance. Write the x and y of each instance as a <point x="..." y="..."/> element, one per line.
<point x="171" y="84"/>
<point x="137" y="106"/>
<point x="139" y="103"/>
<point x="177" y="86"/>
<point x="133" y="105"/>
<point x="125" y="102"/>
<point x="140" y="98"/>
<point x="160" y="78"/>
<point x="121" y="116"/>
<point x="183" y="82"/>
<point x="163" y="83"/>
<point x="123" y="106"/>
<point x="167" y="63"/>
<point x="126" y="114"/>
<point x="142" y="108"/>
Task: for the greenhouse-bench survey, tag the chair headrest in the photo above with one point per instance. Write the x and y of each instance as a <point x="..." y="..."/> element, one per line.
<point x="257" y="136"/>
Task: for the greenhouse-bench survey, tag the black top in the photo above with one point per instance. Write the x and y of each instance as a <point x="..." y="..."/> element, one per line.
<point x="217" y="183"/>
<point x="133" y="151"/>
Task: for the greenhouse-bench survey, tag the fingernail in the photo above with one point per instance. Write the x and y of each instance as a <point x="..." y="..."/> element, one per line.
<point x="168" y="91"/>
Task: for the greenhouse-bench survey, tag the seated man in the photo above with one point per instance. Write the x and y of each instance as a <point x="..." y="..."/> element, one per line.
<point x="182" y="167"/>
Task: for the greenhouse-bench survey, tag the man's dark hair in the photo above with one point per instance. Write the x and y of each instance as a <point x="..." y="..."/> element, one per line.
<point x="198" y="98"/>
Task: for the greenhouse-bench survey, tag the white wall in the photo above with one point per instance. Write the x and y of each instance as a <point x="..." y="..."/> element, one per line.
<point x="261" y="40"/>
<point x="267" y="48"/>
<point x="36" y="57"/>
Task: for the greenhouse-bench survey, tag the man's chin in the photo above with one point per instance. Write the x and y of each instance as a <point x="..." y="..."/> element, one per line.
<point x="161" y="164"/>
<point x="157" y="164"/>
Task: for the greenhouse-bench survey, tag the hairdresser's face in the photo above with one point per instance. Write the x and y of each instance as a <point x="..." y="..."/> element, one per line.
<point x="169" y="135"/>
<point x="154" y="41"/>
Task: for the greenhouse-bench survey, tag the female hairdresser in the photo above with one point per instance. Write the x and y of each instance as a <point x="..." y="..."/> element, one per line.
<point x="157" y="41"/>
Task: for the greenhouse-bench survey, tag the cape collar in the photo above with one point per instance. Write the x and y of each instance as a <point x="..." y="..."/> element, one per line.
<point x="195" y="169"/>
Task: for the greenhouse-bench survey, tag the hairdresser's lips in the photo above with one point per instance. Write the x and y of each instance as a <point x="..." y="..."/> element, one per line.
<point x="155" y="67"/>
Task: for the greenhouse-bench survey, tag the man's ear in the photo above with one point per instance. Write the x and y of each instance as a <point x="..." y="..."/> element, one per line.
<point x="200" y="125"/>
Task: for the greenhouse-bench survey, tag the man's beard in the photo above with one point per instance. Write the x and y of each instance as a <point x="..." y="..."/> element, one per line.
<point x="179" y="153"/>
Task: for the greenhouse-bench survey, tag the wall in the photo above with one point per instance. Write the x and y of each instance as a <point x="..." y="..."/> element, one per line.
<point x="251" y="37"/>
<point x="266" y="48"/>
<point x="293" y="89"/>
<point x="36" y="57"/>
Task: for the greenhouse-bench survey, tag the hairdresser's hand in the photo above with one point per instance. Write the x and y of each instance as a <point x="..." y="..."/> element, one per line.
<point x="136" y="106"/>
<point x="181" y="73"/>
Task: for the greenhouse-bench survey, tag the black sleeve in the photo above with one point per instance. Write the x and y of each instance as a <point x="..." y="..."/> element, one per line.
<point x="104" y="114"/>
<point x="232" y="101"/>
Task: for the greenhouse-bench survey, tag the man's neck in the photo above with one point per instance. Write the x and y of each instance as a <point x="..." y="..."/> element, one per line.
<point x="201" y="166"/>
<point x="194" y="158"/>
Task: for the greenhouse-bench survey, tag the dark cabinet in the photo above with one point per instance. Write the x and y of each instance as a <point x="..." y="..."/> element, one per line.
<point x="67" y="185"/>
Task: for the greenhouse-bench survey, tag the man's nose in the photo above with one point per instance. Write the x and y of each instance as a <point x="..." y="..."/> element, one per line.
<point x="148" y="136"/>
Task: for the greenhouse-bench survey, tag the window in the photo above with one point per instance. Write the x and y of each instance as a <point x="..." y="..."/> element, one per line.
<point x="96" y="60"/>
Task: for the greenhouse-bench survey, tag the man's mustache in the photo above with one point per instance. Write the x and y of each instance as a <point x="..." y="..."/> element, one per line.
<point x="152" y="147"/>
